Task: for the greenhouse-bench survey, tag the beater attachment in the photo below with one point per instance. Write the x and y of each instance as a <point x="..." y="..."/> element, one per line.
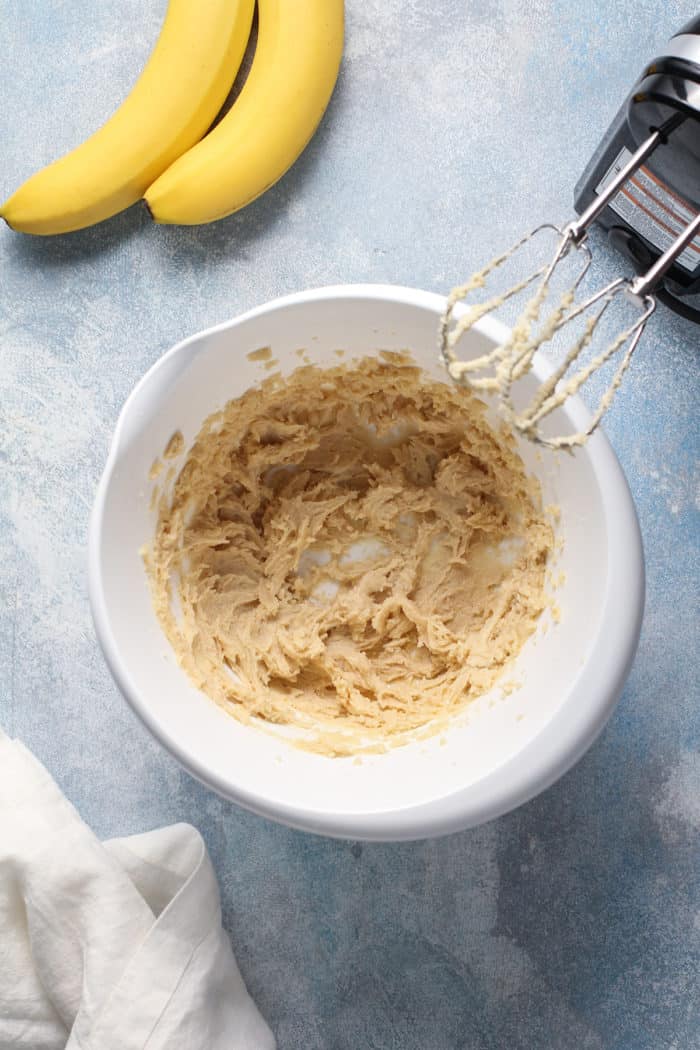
<point x="499" y="369"/>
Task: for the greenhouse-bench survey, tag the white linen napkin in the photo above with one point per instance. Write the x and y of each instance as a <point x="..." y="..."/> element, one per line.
<point x="109" y="946"/>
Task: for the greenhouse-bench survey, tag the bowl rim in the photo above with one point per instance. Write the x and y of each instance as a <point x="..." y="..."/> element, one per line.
<point x="558" y="745"/>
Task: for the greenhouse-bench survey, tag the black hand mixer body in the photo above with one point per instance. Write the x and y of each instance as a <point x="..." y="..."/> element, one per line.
<point x="663" y="196"/>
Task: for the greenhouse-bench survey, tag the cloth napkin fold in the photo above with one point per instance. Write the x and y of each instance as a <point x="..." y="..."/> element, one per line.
<point x="109" y="946"/>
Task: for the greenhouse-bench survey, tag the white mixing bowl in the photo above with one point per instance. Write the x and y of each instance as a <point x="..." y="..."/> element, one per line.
<point x="505" y="750"/>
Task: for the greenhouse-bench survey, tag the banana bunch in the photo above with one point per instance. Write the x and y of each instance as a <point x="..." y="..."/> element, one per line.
<point x="155" y="145"/>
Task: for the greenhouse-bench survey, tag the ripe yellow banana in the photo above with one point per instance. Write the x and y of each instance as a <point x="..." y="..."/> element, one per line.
<point x="174" y="101"/>
<point x="295" y="67"/>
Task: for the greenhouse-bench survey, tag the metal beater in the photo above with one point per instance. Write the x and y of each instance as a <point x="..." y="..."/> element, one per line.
<point x="499" y="369"/>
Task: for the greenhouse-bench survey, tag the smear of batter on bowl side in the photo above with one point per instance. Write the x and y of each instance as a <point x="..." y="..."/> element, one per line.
<point x="263" y="354"/>
<point x="353" y="552"/>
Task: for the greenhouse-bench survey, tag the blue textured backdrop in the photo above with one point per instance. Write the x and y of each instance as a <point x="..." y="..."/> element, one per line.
<point x="572" y="923"/>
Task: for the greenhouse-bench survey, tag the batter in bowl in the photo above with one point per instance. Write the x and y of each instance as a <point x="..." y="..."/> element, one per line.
<point x="352" y="552"/>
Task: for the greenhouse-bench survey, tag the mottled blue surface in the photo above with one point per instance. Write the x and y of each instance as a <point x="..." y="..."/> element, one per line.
<point x="572" y="923"/>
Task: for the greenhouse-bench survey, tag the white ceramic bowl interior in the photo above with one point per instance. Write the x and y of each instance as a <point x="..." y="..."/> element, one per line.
<point x="504" y="750"/>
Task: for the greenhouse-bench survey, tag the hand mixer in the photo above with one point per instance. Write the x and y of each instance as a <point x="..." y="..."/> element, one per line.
<point x="643" y="186"/>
